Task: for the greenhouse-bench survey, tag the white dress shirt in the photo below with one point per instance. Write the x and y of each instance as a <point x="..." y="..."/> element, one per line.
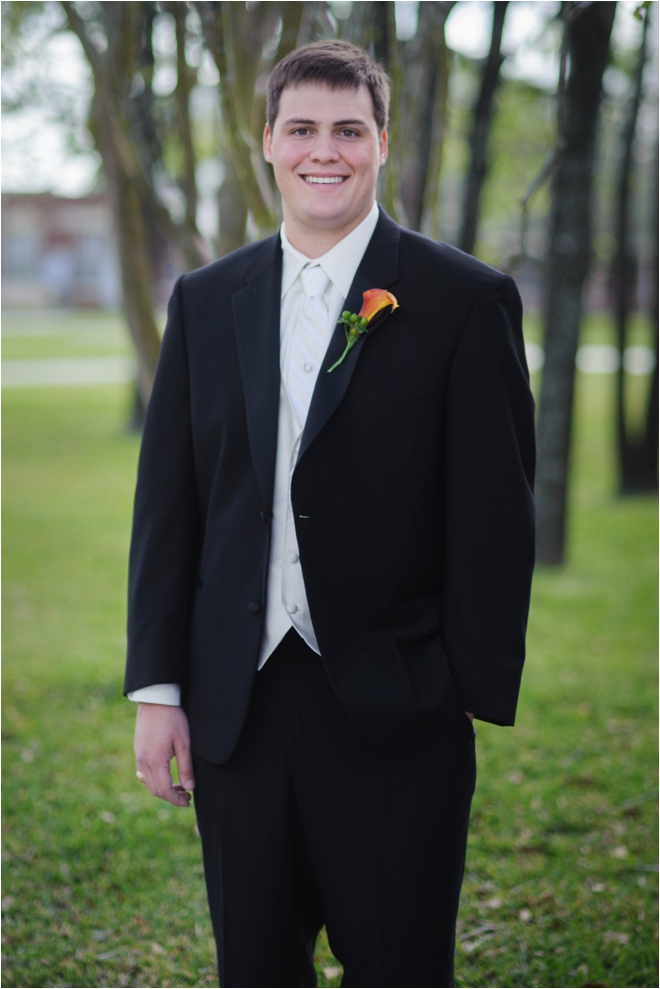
<point x="286" y="600"/>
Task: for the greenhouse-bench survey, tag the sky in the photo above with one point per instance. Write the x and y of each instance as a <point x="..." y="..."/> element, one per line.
<point x="36" y="155"/>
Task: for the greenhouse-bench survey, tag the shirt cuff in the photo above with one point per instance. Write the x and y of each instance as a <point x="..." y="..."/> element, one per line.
<point x="157" y="693"/>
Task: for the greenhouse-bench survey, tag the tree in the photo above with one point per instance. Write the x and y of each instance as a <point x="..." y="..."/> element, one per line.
<point x="587" y="34"/>
<point x="481" y="125"/>
<point x="422" y="109"/>
<point x="637" y="450"/>
<point x="117" y="41"/>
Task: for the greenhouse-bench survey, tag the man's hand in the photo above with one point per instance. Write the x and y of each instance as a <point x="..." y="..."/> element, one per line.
<point x="162" y="734"/>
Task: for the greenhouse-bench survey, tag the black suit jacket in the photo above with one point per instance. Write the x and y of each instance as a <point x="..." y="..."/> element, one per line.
<point x="412" y="495"/>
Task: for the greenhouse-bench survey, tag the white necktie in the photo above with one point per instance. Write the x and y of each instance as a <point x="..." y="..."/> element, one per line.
<point x="310" y="342"/>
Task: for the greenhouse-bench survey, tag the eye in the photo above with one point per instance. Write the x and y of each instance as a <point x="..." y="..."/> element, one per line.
<point x="301" y="131"/>
<point x="349" y="132"/>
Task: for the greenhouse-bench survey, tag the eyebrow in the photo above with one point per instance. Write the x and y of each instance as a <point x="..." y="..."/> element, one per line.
<point x="337" y="123"/>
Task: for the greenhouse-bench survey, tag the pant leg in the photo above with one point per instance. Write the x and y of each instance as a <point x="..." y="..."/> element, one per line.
<point x="386" y="835"/>
<point x="263" y="904"/>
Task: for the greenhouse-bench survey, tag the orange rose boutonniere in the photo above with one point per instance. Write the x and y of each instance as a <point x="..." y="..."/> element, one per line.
<point x="355" y="324"/>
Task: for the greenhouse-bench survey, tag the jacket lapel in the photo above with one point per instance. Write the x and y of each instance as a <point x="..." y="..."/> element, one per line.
<point x="256" y="311"/>
<point x="379" y="268"/>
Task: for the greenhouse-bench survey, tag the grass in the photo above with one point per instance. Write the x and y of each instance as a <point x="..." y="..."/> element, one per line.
<point x="103" y="885"/>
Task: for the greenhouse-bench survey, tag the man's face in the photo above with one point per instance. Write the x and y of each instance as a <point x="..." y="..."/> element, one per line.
<point x="326" y="150"/>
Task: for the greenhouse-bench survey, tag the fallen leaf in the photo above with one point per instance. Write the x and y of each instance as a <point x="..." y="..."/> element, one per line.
<point x="598" y="888"/>
<point x="332" y="971"/>
<point x="157" y="949"/>
<point x="618" y="937"/>
<point x="525" y="915"/>
<point x="493" y="903"/>
<point x="620" y="852"/>
<point x="107" y="816"/>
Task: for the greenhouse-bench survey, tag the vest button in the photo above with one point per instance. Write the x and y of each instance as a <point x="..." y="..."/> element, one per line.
<point x="254" y="607"/>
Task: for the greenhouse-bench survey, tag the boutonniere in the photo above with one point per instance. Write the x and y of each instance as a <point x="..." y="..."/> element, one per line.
<point x="355" y="324"/>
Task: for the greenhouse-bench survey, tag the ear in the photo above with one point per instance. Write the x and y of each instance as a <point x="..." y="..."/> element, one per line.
<point x="268" y="144"/>
<point x="382" y="146"/>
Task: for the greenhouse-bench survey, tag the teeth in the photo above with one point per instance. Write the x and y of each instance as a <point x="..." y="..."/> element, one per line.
<point x="316" y="180"/>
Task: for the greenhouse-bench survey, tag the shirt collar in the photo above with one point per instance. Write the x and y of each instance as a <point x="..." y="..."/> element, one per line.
<point x="339" y="263"/>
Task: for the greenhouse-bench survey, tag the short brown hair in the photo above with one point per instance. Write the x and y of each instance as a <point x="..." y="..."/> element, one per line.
<point x="333" y="63"/>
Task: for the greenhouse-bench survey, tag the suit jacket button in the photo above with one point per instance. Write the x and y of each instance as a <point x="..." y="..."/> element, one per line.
<point x="254" y="607"/>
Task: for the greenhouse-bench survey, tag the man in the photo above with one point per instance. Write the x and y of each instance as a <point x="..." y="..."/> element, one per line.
<point x="331" y="557"/>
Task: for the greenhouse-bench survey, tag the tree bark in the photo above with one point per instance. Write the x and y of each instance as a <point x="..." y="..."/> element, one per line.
<point x="636" y="472"/>
<point x="246" y="154"/>
<point x="184" y="84"/>
<point x="135" y="264"/>
<point x="436" y="120"/>
<point x="132" y="231"/>
<point x="233" y="211"/>
<point x="424" y="109"/>
<point x="481" y="126"/>
<point x="569" y="251"/>
<point x="386" y="51"/>
<point x="652" y="418"/>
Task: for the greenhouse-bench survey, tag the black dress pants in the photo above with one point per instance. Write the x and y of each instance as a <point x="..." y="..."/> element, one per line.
<point x="308" y="825"/>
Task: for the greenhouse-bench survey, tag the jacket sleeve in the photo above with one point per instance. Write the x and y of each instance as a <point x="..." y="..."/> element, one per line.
<point x="489" y="505"/>
<point x="165" y="537"/>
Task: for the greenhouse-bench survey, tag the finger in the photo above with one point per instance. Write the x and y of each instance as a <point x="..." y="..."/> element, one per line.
<point x="183" y="796"/>
<point x="164" y="788"/>
<point x="149" y="779"/>
<point x="159" y="783"/>
<point x="184" y="765"/>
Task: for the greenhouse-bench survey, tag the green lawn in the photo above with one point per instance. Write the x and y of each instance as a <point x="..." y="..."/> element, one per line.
<point x="103" y="885"/>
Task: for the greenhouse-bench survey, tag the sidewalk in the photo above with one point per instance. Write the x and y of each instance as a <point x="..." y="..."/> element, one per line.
<point x="64" y="371"/>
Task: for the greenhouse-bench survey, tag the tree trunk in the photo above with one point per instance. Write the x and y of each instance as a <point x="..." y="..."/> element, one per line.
<point x="569" y="249"/>
<point x="436" y="121"/>
<point x="652" y="418"/>
<point x="135" y="267"/>
<point x="184" y="84"/>
<point x="424" y="117"/>
<point x="216" y="21"/>
<point x="112" y="78"/>
<point x="481" y="125"/>
<point x="233" y="210"/>
<point x="635" y="474"/>
<point x="386" y="52"/>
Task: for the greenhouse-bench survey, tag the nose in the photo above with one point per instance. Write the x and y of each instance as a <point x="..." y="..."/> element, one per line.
<point x="324" y="149"/>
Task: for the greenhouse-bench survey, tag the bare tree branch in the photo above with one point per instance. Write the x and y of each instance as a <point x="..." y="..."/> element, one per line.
<point x="215" y="18"/>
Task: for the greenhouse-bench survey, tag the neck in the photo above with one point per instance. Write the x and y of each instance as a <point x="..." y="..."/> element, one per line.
<point x="314" y="242"/>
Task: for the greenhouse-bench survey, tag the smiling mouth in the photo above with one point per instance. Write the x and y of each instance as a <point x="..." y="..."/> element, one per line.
<point x="324" y="179"/>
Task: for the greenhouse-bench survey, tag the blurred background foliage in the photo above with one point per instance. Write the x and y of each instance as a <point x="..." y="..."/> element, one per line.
<point x="539" y="155"/>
